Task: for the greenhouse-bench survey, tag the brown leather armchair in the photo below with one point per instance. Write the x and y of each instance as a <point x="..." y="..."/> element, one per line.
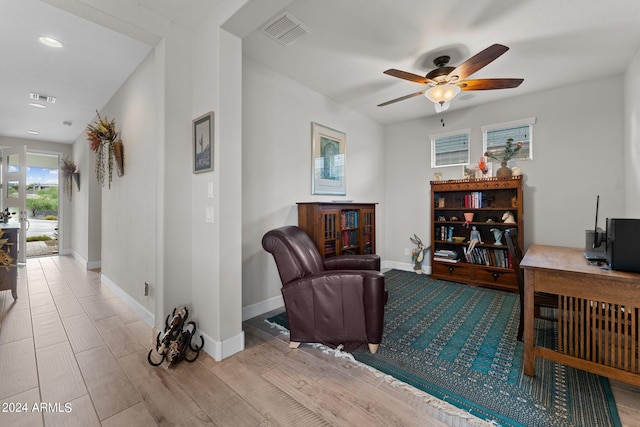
<point x="335" y="301"/>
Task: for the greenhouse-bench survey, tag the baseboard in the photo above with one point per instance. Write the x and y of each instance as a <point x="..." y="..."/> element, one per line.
<point x="404" y="266"/>
<point x="253" y="310"/>
<point x="221" y="350"/>
<point x="88" y="265"/>
<point x="216" y="349"/>
<point x="134" y="305"/>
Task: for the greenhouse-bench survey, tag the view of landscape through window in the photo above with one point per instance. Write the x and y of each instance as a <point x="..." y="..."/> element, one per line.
<point x="42" y="203"/>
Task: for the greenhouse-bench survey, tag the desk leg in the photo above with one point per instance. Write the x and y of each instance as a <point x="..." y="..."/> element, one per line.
<point x="529" y="286"/>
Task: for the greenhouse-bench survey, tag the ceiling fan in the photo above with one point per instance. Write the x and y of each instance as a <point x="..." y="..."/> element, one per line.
<point x="445" y="82"/>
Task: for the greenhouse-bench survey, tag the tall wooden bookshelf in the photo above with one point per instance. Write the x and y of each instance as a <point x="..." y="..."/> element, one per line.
<point x="488" y="264"/>
<point x="339" y="228"/>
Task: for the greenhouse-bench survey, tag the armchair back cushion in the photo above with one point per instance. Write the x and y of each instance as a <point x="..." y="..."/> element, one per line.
<point x="295" y="254"/>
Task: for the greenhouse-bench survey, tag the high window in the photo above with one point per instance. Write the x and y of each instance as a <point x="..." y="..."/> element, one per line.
<point x="450" y="149"/>
<point x="495" y="137"/>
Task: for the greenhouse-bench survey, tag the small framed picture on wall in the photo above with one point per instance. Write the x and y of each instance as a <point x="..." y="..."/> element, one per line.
<point x="203" y="143"/>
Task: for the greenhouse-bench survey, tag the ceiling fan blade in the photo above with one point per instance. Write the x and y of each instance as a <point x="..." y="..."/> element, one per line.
<point x="402" y="98"/>
<point x="488" y="84"/>
<point x="407" y="76"/>
<point x="478" y="61"/>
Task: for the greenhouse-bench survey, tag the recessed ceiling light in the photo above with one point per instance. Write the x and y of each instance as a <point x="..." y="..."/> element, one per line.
<point x="50" y="42"/>
<point x="35" y="105"/>
<point x="33" y="132"/>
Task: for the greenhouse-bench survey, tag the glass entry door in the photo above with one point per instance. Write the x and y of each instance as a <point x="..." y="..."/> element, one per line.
<point x="14" y="198"/>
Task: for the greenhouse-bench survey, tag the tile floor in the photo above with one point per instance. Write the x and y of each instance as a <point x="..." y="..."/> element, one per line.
<point x="59" y="348"/>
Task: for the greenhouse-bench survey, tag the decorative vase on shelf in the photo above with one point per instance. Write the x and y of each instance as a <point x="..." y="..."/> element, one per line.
<point x="497" y="235"/>
<point x="503" y="171"/>
<point x="468" y="218"/>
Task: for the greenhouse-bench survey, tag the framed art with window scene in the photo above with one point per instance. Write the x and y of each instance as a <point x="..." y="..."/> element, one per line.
<point x="329" y="147"/>
<point x="450" y="148"/>
<point x="203" y="143"/>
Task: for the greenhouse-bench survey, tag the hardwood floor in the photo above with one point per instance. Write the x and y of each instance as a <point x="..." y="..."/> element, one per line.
<point x="72" y="354"/>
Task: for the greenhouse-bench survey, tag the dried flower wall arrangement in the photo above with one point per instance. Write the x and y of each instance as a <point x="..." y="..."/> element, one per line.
<point x="106" y="143"/>
<point x="69" y="172"/>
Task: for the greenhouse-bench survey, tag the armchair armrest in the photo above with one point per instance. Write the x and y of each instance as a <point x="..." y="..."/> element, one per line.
<point x="353" y="262"/>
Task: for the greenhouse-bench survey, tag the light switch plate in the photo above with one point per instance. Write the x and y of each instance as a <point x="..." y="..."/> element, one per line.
<point x="210" y="189"/>
<point x="208" y="214"/>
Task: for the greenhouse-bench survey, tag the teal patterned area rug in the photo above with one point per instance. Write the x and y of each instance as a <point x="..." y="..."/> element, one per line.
<point x="458" y="343"/>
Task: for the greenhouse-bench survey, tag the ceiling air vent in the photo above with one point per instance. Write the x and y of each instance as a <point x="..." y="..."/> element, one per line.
<point x="286" y="29"/>
<point x="45" y="98"/>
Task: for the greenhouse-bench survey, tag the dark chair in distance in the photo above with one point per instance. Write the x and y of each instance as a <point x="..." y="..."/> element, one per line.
<point x="540" y="299"/>
<point x="333" y="301"/>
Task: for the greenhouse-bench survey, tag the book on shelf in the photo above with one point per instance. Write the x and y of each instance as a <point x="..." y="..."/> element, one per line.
<point x="441" y="259"/>
<point x="489" y="257"/>
<point x="474" y="200"/>
<point x="445" y="253"/>
<point x="349" y="219"/>
<point x="349" y="238"/>
<point x="329" y="248"/>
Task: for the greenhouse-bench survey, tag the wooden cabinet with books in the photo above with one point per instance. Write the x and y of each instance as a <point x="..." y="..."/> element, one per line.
<point x="339" y="228"/>
<point x="468" y="219"/>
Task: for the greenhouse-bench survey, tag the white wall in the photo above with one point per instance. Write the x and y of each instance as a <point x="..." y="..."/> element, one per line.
<point x="153" y="227"/>
<point x="632" y="138"/>
<point x="216" y="254"/>
<point x="578" y="154"/>
<point x="276" y="164"/>
<point x="80" y="203"/>
<point x="128" y="207"/>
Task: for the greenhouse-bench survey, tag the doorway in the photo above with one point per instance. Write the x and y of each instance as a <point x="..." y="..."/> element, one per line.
<point x="43" y="207"/>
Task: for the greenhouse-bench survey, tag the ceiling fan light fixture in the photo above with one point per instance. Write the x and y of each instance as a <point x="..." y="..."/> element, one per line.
<point x="442" y="107"/>
<point x="442" y="94"/>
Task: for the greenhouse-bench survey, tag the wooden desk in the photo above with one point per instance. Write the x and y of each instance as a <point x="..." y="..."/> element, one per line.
<point x="598" y="313"/>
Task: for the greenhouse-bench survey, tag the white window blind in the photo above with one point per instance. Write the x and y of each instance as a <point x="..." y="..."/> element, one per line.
<point x="495" y="138"/>
<point x="450" y="149"/>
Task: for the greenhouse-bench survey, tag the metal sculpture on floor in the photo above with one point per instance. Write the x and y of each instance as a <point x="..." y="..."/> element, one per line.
<point x="173" y="344"/>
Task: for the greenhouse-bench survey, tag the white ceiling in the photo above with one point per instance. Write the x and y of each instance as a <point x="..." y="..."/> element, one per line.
<point x="82" y="76"/>
<point x="552" y="43"/>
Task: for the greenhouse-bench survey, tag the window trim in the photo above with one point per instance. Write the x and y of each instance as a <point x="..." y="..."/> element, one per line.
<point x="436" y="136"/>
<point x="530" y="121"/>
